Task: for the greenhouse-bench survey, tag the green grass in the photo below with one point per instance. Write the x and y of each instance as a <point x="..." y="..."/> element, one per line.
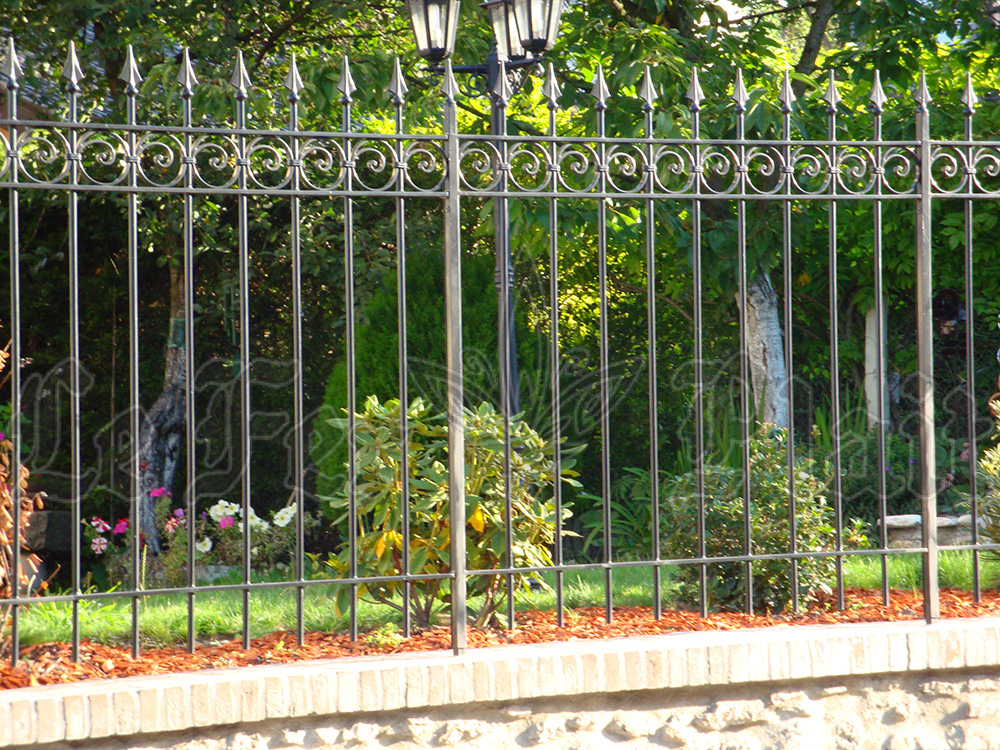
<point x="219" y="614"/>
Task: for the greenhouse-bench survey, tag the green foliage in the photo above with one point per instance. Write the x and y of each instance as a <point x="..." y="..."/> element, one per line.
<point x="989" y="484"/>
<point x="769" y="526"/>
<point x="380" y="541"/>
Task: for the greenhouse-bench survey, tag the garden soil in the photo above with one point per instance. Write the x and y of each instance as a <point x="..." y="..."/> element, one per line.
<point x="51" y="663"/>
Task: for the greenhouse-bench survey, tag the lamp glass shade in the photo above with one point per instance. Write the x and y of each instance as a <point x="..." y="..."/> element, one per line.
<point x="538" y="23"/>
<point x="435" y="23"/>
<point x="504" y="23"/>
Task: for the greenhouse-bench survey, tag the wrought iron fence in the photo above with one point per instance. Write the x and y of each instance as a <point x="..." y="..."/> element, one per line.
<point x="691" y="180"/>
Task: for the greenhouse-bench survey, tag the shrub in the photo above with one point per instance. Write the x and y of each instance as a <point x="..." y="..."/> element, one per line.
<point x="380" y="540"/>
<point x="989" y="484"/>
<point x="769" y="526"/>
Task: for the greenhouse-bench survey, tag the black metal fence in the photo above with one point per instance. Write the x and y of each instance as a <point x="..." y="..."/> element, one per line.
<point x="595" y="189"/>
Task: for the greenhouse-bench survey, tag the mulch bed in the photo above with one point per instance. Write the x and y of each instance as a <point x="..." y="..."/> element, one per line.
<point x="51" y="663"/>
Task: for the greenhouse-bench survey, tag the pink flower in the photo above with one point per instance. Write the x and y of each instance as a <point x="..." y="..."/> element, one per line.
<point x="121" y="527"/>
<point x="160" y="492"/>
<point x="100" y="524"/>
<point x="225" y="522"/>
<point x="99" y="544"/>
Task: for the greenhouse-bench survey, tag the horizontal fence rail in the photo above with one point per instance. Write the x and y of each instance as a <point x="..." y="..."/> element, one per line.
<point x="612" y="213"/>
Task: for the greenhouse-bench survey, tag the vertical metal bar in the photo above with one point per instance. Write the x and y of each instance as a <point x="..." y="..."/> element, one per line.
<point x="294" y="85"/>
<point x="695" y="98"/>
<point x="191" y="445"/>
<point x="74" y="356"/>
<point x="133" y="335"/>
<point x="832" y="99"/>
<point x="11" y="69"/>
<point x="786" y="245"/>
<point x="346" y="90"/>
<point x="243" y="242"/>
<point x="552" y="94"/>
<point x="880" y="343"/>
<point x="398" y="90"/>
<point x="602" y="272"/>
<point x="653" y="379"/>
<point x="505" y="339"/>
<point x="740" y="96"/>
<point x="972" y="448"/>
<point x="453" y="334"/>
<point x="925" y="361"/>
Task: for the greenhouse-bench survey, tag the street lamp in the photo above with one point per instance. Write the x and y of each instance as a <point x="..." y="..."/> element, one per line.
<point x="522" y="31"/>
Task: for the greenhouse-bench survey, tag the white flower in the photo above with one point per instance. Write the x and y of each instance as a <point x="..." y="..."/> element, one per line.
<point x="222" y="509"/>
<point x="284" y="516"/>
<point x="99" y="544"/>
<point x="204" y="546"/>
<point x="257" y="523"/>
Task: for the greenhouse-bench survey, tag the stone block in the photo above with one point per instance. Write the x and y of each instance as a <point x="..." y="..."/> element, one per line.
<point x="126" y="707"/>
<point x="177" y="712"/>
<point x="23" y="722"/>
<point x="226" y="702"/>
<point x="945" y="649"/>
<point x="591" y="673"/>
<point x="799" y="661"/>
<point x="77" y="719"/>
<point x="549" y="677"/>
<point x="51" y="720"/>
<point x="6" y="724"/>
<point x="101" y="714"/>
<point x="916" y="644"/>
<point x="897" y="651"/>
<point x="437" y="687"/>
<point x="416" y="686"/>
<point x="695" y="660"/>
<point x="655" y="677"/>
<point x="150" y="710"/>
<point x="371" y="690"/>
<point x="202" y="697"/>
<point x="779" y="665"/>
<point x="276" y="697"/>
<point x="718" y="669"/>
<point x="348" y="691"/>
<point x="736" y="663"/>
<point x="633" y="725"/>
<point x="980" y="647"/>
<point x="251" y="696"/>
<point x="730" y="715"/>
<point x="757" y="662"/>
<point x="298" y="695"/>
<point x="482" y="682"/>
<point x="878" y="653"/>
<point x="858" y="650"/>
<point x="322" y="696"/>
<point x="503" y="680"/>
<point x="460" y="685"/>
<point x="391" y="680"/>
<point x="614" y="678"/>
<point x="527" y="677"/>
<point x="569" y="667"/>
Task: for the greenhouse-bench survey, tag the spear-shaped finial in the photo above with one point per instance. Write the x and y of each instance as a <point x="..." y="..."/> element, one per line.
<point x="969" y="98"/>
<point x="397" y="86"/>
<point x="346" y="85"/>
<point x="694" y="95"/>
<point x="600" y="91"/>
<point x="501" y="89"/>
<point x="293" y="81"/>
<point x="449" y="86"/>
<point x="130" y="73"/>
<point x="550" y="89"/>
<point x="11" y="67"/>
<point x="647" y="91"/>
<point x="72" y="71"/>
<point x="878" y="97"/>
<point x="831" y="96"/>
<point x="241" y="79"/>
<point x="185" y="76"/>
<point x="740" y="95"/>
<point x="786" y="96"/>
<point x="922" y="95"/>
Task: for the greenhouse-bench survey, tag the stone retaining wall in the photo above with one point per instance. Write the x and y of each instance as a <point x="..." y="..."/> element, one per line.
<point x="895" y="686"/>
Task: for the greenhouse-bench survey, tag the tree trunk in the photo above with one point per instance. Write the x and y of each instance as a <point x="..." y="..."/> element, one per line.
<point x="876" y="389"/>
<point x="766" y="352"/>
<point x="163" y="425"/>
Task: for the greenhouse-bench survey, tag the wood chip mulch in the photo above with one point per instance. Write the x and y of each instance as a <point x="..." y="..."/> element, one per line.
<point x="51" y="663"/>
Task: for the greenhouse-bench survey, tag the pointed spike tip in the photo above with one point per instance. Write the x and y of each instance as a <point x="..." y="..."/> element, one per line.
<point x="969" y="97"/>
<point x="397" y="86"/>
<point x="647" y="91"/>
<point x="740" y="95"/>
<point x="293" y="81"/>
<point x="346" y="85"/>
<point x="501" y="89"/>
<point x="694" y="94"/>
<point x="787" y="95"/>
<point x="878" y="98"/>
<point x="241" y="79"/>
<point x="922" y="94"/>
<point x="11" y="68"/>
<point x="130" y="73"/>
<point x="832" y="95"/>
<point x="72" y="71"/>
<point x="550" y="89"/>
<point x="600" y="91"/>
<point x="185" y="76"/>
<point x="449" y="86"/>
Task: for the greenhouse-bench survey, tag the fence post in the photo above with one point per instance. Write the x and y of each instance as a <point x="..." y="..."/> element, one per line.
<point x="453" y="316"/>
<point x="925" y="358"/>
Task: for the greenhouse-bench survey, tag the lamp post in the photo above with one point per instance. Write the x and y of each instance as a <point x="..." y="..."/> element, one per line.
<point x="522" y="31"/>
